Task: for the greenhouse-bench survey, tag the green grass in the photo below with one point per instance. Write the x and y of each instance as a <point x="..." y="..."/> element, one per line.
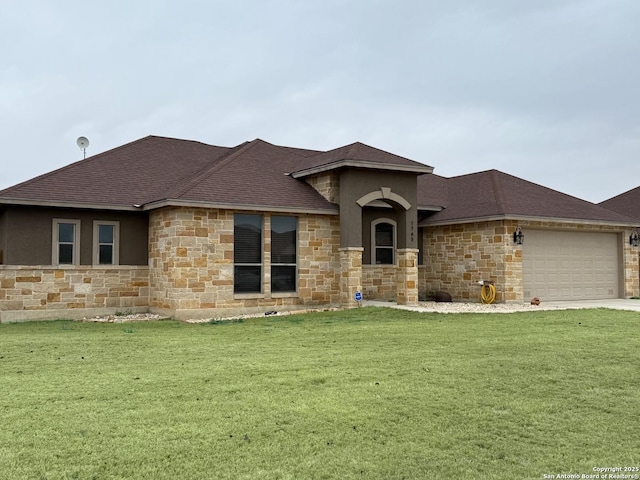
<point x="366" y="393"/>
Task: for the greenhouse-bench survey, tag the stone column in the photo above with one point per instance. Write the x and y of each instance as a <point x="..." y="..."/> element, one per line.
<point x="407" y="278"/>
<point x="350" y="275"/>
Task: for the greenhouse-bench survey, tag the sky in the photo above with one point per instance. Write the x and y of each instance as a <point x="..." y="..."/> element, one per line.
<point x="546" y="90"/>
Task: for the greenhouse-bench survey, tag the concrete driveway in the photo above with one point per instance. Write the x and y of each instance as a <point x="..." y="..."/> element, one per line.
<point x="615" y="303"/>
<point x="476" y="307"/>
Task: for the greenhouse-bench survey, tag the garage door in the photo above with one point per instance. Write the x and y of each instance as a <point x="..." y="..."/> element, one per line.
<point x="570" y="265"/>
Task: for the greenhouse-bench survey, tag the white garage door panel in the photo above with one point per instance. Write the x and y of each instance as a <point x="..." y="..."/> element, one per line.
<point x="570" y="265"/>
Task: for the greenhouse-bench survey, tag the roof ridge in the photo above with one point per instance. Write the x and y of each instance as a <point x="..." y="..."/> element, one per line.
<point x="615" y="197"/>
<point x="496" y="189"/>
<point x="359" y="155"/>
<point x="198" y="177"/>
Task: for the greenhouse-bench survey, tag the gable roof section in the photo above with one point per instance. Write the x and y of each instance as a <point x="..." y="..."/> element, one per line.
<point x="432" y="192"/>
<point x="252" y="175"/>
<point x="158" y="171"/>
<point x="361" y="156"/>
<point x="627" y="203"/>
<point x="131" y="174"/>
<point x="493" y="194"/>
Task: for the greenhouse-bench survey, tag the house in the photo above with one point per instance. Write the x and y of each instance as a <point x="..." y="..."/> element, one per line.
<point x="572" y="249"/>
<point x="193" y="230"/>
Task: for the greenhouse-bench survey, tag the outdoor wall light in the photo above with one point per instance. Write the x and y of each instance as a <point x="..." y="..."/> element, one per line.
<point x="634" y="238"/>
<point x="518" y="236"/>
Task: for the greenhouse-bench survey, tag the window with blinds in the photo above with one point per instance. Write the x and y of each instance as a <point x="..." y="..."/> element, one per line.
<point x="284" y="241"/>
<point x="247" y="253"/>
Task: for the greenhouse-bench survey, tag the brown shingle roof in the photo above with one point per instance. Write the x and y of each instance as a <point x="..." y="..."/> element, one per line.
<point x="157" y="170"/>
<point x="135" y="173"/>
<point x="432" y="191"/>
<point x="359" y="155"/>
<point x="496" y="194"/>
<point x="254" y="175"/>
<point x="627" y="203"/>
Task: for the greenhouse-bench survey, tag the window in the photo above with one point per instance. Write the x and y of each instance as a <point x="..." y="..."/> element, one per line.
<point x="106" y="242"/>
<point x="66" y="242"/>
<point x="247" y="253"/>
<point x="284" y="241"/>
<point x="383" y="241"/>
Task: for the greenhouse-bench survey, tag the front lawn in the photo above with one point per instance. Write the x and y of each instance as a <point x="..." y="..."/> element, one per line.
<point x="366" y="393"/>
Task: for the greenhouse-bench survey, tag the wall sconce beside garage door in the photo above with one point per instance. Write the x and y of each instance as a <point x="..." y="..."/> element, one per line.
<point x="518" y="236"/>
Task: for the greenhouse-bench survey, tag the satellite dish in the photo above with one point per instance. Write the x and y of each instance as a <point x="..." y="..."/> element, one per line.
<point x="83" y="143"/>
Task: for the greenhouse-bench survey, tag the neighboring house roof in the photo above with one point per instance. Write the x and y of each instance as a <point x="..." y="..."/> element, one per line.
<point x="494" y="194"/>
<point x="627" y="203"/>
<point x="359" y="155"/>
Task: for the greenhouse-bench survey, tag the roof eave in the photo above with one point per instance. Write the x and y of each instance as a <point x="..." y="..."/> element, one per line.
<point x="419" y="169"/>
<point x="579" y="221"/>
<point x="238" y="206"/>
<point x="65" y="204"/>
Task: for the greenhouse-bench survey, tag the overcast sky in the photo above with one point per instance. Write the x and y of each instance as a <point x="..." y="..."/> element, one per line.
<point x="547" y="90"/>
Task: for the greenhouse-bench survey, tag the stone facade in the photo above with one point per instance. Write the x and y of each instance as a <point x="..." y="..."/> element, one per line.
<point x="379" y="282"/>
<point x="407" y="279"/>
<point x="191" y="264"/>
<point x="456" y="257"/>
<point x="393" y="282"/>
<point x="319" y="259"/>
<point x="190" y="259"/>
<point x="351" y="275"/>
<point x="191" y="269"/>
<point x="326" y="184"/>
<point x="71" y="292"/>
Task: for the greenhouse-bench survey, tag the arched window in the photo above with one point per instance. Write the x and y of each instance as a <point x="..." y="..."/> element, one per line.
<point x="383" y="242"/>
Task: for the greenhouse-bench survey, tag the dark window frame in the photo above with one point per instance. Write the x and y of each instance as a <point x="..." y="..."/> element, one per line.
<point x="389" y="247"/>
<point x="248" y="253"/>
<point x="284" y="254"/>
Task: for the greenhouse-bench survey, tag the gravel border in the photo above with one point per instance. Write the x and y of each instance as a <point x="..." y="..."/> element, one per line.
<point x="475" y="307"/>
<point x="439" y="307"/>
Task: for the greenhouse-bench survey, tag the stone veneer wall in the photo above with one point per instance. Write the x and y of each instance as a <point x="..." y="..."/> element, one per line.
<point x="393" y="282"/>
<point x="191" y="264"/>
<point x="630" y="267"/>
<point x="319" y="259"/>
<point x="326" y="184"/>
<point x="379" y="282"/>
<point x="455" y="257"/>
<point x="351" y="275"/>
<point x="71" y="292"/>
<point x="407" y="281"/>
